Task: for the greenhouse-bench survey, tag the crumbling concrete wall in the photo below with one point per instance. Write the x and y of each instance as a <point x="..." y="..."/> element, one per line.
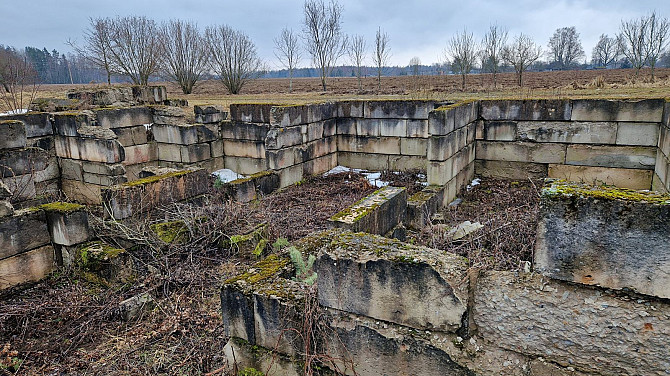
<point x="661" y="179"/>
<point x="594" y="141"/>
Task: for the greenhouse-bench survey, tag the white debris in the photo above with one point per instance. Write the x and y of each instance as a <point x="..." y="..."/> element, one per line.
<point x="463" y="229"/>
<point x="373" y="177"/>
<point x="474" y="183"/>
<point x="226" y="175"/>
<point x="148" y="126"/>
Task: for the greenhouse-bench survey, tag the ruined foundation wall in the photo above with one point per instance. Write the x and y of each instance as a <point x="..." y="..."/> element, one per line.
<point x="661" y="179"/>
<point x="594" y="141"/>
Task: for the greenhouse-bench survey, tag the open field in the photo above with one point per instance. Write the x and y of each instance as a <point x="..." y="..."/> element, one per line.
<point x="612" y="83"/>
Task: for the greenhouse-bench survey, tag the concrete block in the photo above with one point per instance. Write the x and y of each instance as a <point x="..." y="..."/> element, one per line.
<point x="417" y="128"/>
<point x="21" y="186"/>
<point x="511" y="170"/>
<point x="531" y="314"/>
<point x="499" y="130"/>
<point x="388" y="280"/>
<point x="208" y="132"/>
<point x="390" y="109"/>
<point x="543" y="109"/>
<point x="568" y="132"/>
<point x="168" y="115"/>
<point x="441" y="148"/>
<point x="251" y="113"/>
<point x="461" y="159"/>
<point x="365" y="161"/>
<point x="656" y="185"/>
<point x="329" y="127"/>
<point x="661" y="168"/>
<point x="521" y="152"/>
<point x="240" y="355"/>
<point x="590" y="235"/>
<point x="479" y="129"/>
<point x="25" y="230"/>
<point x="67" y="123"/>
<point x="248" y="149"/>
<point x="249" y="188"/>
<point x="123" y="201"/>
<point x="286" y="116"/>
<point x="67" y="223"/>
<point x="639" y="157"/>
<point x="12" y="134"/>
<point x="311" y="131"/>
<point x="664" y="141"/>
<point x="414" y="146"/>
<point x="245" y="166"/>
<point x="99" y="168"/>
<point x="37" y="124"/>
<point x="95" y="150"/>
<point x="315" y="149"/>
<point x="104" y="180"/>
<point x="393" y="128"/>
<point x="71" y="169"/>
<point x="464" y="114"/>
<point x="441" y="121"/>
<point x="131" y="135"/>
<point x="368" y="127"/>
<point x="149" y="94"/>
<point x="619" y="177"/>
<point x="290" y="175"/>
<point x="642" y="134"/>
<point x="422" y="205"/>
<point x="211" y="118"/>
<point x="375" y="145"/>
<point x="282" y="158"/>
<point x="124" y="117"/>
<point x="168" y="152"/>
<point x="471" y="133"/>
<point x="216" y="148"/>
<point x="407" y="162"/>
<point x="278" y="138"/>
<point x="78" y="191"/>
<point x="350" y="109"/>
<point x="319" y="165"/>
<point x="244" y="131"/>
<point x="175" y="134"/>
<point x="29" y="266"/>
<point x="644" y="110"/>
<point x="6" y="209"/>
<point x="140" y="154"/>
<point x="22" y="161"/>
<point x="377" y="213"/>
<point x="195" y="153"/>
<point x="346" y="126"/>
<point x="439" y="173"/>
<point x="208" y="109"/>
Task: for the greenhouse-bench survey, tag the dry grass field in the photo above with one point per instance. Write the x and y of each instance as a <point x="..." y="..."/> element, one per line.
<point x="612" y="83"/>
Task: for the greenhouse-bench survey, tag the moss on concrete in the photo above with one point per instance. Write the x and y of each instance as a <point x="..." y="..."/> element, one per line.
<point x="172" y="232"/>
<point x="604" y="192"/>
<point x="155" y="178"/>
<point x="92" y="255"/>
<point x="62" y="207"/>
<point x="262" y="271"/>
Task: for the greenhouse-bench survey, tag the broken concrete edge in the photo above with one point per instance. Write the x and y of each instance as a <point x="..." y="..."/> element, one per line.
<point x="152" y="179"/>
<point x="561" y="188"/>
<point x="366" y="205"/>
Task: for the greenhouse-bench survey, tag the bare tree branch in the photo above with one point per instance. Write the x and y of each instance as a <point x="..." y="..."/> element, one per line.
<point x="356" y="51"/>
<point x="461" y="50"/>
<point x="565" y="47"/>
<point x="633" y="34"/>
<point x="135" y="47"/>
<point x="233" y="57"/>
<point x="324" y="40"/>
<point x="287" y="51"/>
<point x="658" y="31"/>
<point x="521" y="54"/>
<point x="19" y="80"/>
<point x="185" y="53"/>
<point x="491" y="50"/>
<point x="97" y="46"/>
<point x="607" y="51"/>
<point x="381" y="54"/>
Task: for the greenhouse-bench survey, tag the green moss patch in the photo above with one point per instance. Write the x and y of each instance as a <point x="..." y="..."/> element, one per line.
<point x="93" y="256"/>
<point x="262" y="271"/>
<point x="173" y="232"/>
<point x="604" y="192"/>
<point x="155" y="178"/>
<point x="62" y="207"/>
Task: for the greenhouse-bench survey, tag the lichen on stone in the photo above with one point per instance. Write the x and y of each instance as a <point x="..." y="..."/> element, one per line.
<point x="172" y="232"/>
<point x="604" y="192"/>
<point x="62" y="207"/>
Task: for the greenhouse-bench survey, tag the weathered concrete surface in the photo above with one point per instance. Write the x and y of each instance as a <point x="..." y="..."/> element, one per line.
<point x="521" y="151"/>
<point x="142" y="195"/>
<point x="67" y="223"/>
<point x="37" y="123"/>
<point x="422" y="205"/>
<point x="620" y="177"/>
<point x="639" y="157"/>
<point x="587" y="329"/>
<point x="250" y="188"/>
<point x="644" y="110"/>
<point x="241" y="356"/>
<point x="26" y="267"/>
<point x="377" y="213"/>
<point x="611" y="237"/>
<point x="124" y="117"/>
<point x="251" y="113"/>
<point x="12" y="134"/>
<point x="389" y="280"/>
<point x="544" y="109"/>
<point x="568" y="132"/>
<point x="510" y="170"/>
<point x="25" y="230"/>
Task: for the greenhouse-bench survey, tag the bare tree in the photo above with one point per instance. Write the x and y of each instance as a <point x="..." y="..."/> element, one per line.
<point x="633" y="34"/>
<point x="415" y="65"/>
<point x="658" y="32"/>
<point x="491" y="50"/>
<point x="381" y="54"/>
<point x="607" y="51"/>
<point x="233" y="57"/>
<point x="97" y="46"/>
<point x="18" y="78"/>
<point x="521" y="54"/>
<point x="323" y="35"/>
<point x="287" y="51"/>
<point x="184" y="58"/>
<point x="356" y="52"/>
<point x="565" y="47"/>
<point x="135" y="47"/>
<point x="461" y="50"/>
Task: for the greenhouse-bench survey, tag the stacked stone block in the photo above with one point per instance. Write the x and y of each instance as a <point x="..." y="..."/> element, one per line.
<point x="603" y="141"/>
<point x="661" y="179"/>
<point x="90" y="156"/>
<point x="383" y="135"/>
<point x="243" y="138"/>
<point x="451" y="147"/>
<point x="301" y="141"/>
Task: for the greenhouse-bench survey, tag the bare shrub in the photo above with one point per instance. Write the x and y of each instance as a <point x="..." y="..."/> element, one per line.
<point x="184" y="53"/>
<point x="322" y="31"/>
<point x="233" y="57"/>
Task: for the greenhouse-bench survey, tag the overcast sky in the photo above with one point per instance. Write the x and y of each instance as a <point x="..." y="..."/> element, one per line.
<point x="415" y="27"/>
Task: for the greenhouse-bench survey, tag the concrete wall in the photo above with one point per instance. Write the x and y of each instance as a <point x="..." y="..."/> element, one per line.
<point x="595" y="141"/>
<point x="661" y="179"/>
